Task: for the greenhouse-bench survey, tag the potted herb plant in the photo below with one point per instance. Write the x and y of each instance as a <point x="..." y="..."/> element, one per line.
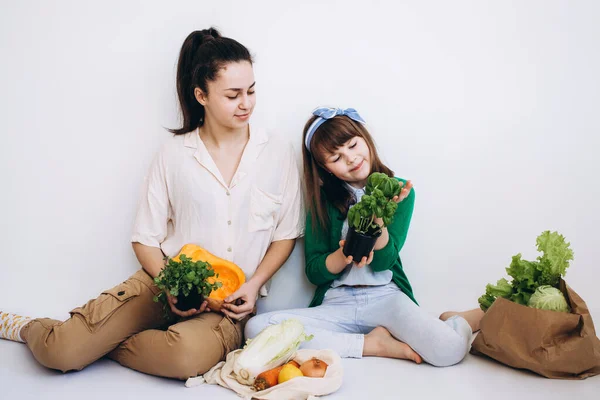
<point x="377" y="202"/>
<point x="186" y="279"/>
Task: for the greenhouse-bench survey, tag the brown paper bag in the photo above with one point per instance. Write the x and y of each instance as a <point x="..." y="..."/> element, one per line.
<point x="550" y="343"/>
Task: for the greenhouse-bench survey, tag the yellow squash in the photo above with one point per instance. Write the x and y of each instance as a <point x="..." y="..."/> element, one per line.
<point x="230" y="275"/>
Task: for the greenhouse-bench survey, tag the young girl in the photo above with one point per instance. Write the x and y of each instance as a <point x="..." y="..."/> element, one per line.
<point x="212" y="184"/>
<point x="362" y="307"/>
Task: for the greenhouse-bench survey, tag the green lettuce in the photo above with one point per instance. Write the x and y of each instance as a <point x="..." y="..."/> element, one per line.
<point x="554" y="261"/>
<point x="527" y="276"/>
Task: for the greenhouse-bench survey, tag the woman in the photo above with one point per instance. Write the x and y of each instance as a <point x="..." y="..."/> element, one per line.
<point x="219" y="183"/>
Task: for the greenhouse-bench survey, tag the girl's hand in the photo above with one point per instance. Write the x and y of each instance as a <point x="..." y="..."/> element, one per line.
<point x="349" y="259"/>
<point x="241" y="302"/>
<point x="404" y="192"/>
<point x="172" y="300"/>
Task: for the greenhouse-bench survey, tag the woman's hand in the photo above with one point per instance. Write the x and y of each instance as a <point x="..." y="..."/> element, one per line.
<point x="241" y="302"/>
<point x="364" y="261"/>
<point x="404" y="192"/>
<point x="172" y="300"/>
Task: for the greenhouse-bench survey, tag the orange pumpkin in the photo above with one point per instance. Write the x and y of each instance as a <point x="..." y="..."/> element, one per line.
<point x="230" y="275"/>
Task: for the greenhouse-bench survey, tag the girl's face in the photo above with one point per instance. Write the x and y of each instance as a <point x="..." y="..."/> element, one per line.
<point x="351" y="162"/>
<point x="231" y="96"/>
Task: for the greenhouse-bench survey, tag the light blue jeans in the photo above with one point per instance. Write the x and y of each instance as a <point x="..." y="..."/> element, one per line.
<point x="348" y="313"/>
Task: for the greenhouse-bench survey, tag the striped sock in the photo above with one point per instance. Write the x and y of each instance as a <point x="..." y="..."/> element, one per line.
<point x="10" y="326"/>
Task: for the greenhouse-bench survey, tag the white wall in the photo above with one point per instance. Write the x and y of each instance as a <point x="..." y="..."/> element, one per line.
<point x="491" y="108"/>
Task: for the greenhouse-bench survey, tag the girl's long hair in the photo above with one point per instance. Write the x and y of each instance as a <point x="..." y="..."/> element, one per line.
<point x="323" y="187"/>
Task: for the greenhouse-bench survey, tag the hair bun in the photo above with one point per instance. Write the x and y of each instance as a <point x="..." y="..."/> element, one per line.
<point x="209" y="34"/>
<point x="197" y="39"/>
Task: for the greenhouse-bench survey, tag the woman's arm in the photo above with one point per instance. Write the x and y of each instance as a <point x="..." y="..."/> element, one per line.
<point x="151" y="258"/>
<point x="277" y="253"/>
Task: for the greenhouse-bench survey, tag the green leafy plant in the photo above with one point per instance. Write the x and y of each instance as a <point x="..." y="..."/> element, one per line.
<point x="375" y="203"/>
<point x="184" y="277"/>
<point x="527" y="276"/>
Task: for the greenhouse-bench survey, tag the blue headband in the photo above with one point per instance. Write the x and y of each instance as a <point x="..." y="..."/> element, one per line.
<point x="325" y="113"/>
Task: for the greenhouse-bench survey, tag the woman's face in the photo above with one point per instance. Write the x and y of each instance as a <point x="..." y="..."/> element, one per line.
<point x="231" y="96"/>
<point x="351" y="162"/>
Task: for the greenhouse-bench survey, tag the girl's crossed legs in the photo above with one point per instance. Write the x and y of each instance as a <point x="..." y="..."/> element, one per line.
<point x="357" y="322"/>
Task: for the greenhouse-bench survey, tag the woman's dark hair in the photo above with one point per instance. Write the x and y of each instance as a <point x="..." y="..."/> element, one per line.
<point x="202" y="55"/>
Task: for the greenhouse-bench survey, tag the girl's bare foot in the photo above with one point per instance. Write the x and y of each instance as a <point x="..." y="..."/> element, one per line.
<point x="380" y="343"/>
<point x="473" y="317"/>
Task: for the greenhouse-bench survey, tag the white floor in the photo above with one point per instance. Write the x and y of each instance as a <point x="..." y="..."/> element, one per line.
<point x="370" y="378"/>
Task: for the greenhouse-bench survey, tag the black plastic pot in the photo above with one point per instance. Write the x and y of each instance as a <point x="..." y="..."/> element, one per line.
<point x="193" y="300"/>
<point x="359" y="245"/>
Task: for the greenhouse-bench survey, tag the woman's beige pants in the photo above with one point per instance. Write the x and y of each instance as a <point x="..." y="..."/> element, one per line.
<point x="125" y="324"/>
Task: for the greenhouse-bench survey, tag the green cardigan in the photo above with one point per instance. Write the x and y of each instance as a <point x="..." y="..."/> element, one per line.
<point x="318" y="244"/>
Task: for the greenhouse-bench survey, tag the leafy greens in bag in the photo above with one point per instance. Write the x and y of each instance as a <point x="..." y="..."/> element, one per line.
<point x="528" y="276"/>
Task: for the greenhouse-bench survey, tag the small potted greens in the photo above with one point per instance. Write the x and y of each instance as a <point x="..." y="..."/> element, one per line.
<point x="187" y="280"/>
<point x="377" y="202"/>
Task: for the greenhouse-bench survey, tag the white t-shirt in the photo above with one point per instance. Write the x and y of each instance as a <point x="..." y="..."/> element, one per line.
<point x="185" y="200"/>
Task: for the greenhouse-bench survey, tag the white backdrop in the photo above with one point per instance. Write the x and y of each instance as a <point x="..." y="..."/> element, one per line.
<point x="492" y="109"/>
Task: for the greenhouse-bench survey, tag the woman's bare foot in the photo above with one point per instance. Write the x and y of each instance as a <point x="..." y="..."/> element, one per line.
<point x="473" y="317"/>
<point x="380" y="343"/>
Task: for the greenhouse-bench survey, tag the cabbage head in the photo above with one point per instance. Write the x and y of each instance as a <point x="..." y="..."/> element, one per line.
<point x="273" y="346"/>
<point x="549" y="298"/>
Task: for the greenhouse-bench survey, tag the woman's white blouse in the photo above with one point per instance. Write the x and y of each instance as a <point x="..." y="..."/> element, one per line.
<point x="185" y="200"/>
